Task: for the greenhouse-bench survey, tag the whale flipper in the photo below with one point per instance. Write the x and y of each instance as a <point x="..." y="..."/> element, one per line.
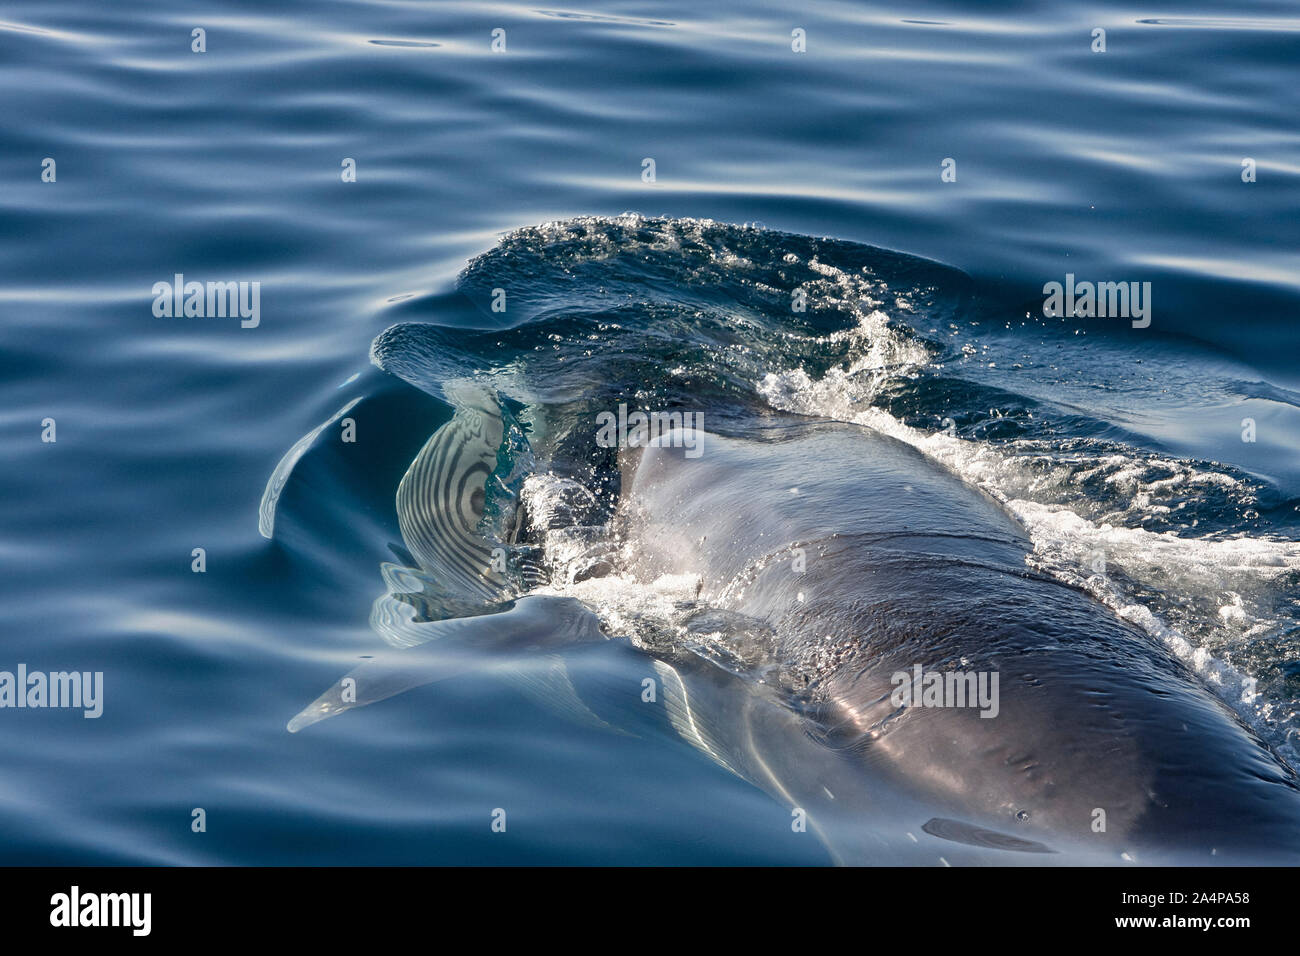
<point x="511" y="639"/>
<point x="373" y="680"/>
<point x="968" y="833"/>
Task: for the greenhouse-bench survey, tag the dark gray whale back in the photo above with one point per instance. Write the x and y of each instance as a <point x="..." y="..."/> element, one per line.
<point x="867" y="559"/>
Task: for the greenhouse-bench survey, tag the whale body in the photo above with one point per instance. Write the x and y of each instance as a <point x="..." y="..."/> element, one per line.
<point x="865" y="559"/>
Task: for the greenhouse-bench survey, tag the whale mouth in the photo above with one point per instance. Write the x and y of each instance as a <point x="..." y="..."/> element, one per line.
<point x="971" y="835"/>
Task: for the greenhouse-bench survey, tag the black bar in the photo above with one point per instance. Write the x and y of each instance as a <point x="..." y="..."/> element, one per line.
<point x="647" y="908"/>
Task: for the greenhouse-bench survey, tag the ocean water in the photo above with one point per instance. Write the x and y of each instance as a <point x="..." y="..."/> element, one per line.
<point x="1120" y="446"/>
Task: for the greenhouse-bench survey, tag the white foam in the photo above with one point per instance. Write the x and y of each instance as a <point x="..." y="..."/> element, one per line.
<point x="1241" y="576"/>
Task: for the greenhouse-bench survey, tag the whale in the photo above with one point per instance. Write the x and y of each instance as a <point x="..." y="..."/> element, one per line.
<point x="808" y="603"/>
<point x="836" y="570"/>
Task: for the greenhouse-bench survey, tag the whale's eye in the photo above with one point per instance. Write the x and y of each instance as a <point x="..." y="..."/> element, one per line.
<point x="1022" y="815"/>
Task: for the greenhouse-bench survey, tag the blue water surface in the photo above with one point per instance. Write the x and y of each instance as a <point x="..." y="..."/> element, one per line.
<point x="227" y="165"/>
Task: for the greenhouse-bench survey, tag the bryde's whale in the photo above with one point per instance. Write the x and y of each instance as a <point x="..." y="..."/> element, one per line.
<point x="885" y="664"/>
